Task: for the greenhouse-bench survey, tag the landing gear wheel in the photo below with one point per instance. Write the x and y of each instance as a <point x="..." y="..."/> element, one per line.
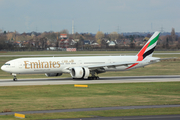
<point x="14" y="75"/>
<point x="14" y="79"/>
<point x="93" y="78"/>
<point x="96" y="77"/>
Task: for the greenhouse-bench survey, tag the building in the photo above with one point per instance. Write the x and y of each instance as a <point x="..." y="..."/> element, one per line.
<point x="63" y="41"/>
<point x="87" y="42"/>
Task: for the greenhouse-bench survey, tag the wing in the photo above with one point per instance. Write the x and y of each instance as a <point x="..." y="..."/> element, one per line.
<point x="111" y="65"/>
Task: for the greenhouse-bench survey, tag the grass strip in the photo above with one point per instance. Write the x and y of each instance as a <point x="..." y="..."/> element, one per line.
<point x="50" y="97"/>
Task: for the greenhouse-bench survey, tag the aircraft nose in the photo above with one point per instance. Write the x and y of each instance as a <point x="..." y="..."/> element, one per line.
<point x="3" y="68"/>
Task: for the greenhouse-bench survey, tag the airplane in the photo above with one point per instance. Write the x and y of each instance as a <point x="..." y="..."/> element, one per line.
<point x="86" y="67"/>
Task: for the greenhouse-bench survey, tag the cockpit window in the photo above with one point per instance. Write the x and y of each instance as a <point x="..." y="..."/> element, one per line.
<point x="7" y="64"/>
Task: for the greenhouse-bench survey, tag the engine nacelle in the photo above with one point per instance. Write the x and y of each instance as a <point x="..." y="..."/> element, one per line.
<point x="80" y="72"/>
<point x="53" y="74"/>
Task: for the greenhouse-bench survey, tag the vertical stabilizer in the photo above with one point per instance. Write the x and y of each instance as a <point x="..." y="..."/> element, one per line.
<point x="149" y="47"/>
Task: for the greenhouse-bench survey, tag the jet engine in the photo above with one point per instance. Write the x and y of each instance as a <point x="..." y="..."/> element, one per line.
<point x="53" y="74"/>
<point x="80" y="72"/>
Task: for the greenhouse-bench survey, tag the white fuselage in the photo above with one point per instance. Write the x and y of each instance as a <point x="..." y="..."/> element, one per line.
<point x="61" y="64"/>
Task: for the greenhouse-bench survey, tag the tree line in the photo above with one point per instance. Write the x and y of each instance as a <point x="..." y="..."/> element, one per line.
<point x="10" y="41"/>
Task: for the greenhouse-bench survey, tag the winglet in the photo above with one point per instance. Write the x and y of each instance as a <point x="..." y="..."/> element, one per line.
<point x="149" y="47"/>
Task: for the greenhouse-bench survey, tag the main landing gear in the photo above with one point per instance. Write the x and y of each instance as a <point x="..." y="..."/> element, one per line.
<point x="93" y="76"/>
<point x="14" y="79"/>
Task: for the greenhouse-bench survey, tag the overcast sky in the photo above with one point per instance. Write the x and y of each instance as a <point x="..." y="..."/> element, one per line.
<point x="90" y="15"/>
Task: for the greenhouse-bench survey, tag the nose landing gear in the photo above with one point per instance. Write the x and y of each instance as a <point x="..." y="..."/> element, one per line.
<point x="14" y="79"/>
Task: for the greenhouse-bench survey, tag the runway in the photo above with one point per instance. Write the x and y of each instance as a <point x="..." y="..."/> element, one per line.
<point x="92" y="109"/>
<point x="152" y="117"/>
<point x="61" y="81"/>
